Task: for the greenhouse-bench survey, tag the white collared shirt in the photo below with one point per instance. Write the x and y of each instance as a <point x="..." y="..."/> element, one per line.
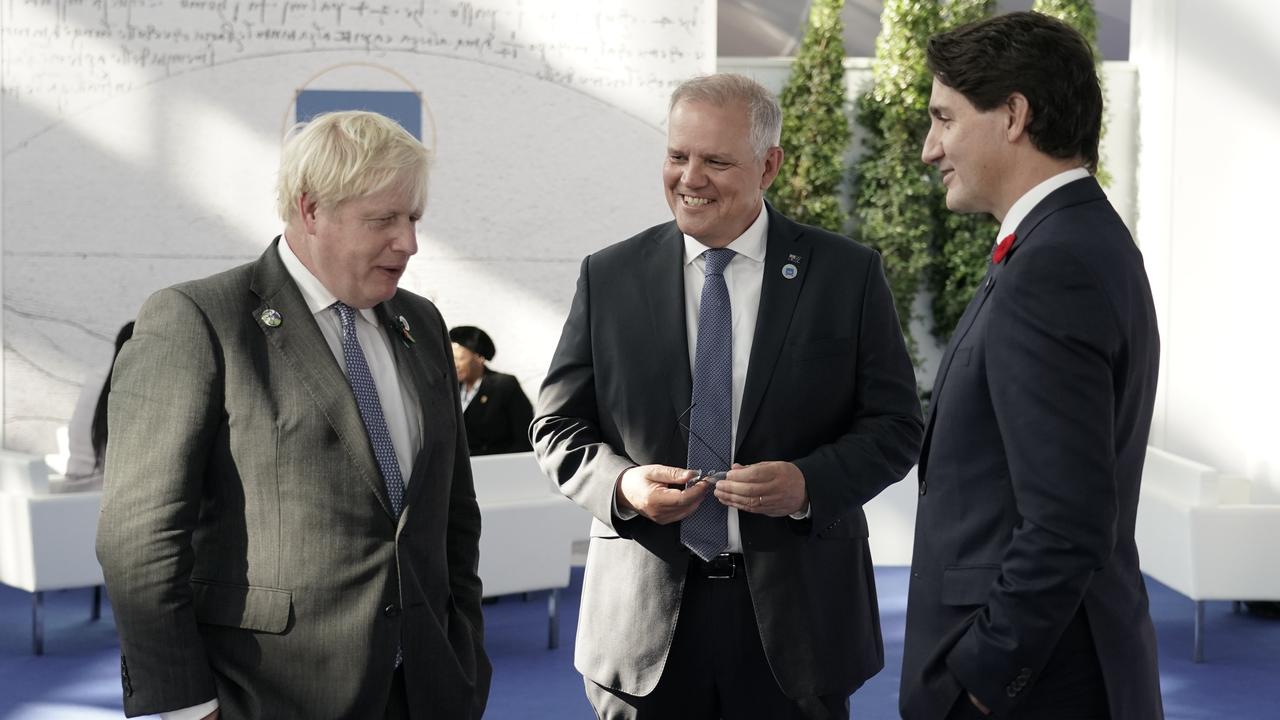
<point x="744" y="276"/>
<point x="1019" y="210"/>
<point x="468" y="392"/>
<point x="399" y="403"/>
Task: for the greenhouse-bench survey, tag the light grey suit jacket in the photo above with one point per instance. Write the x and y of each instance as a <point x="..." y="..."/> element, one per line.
<point x="246" y="536"/>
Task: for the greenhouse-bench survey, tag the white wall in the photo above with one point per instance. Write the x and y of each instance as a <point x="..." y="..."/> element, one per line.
<point x="1210" y="124"/>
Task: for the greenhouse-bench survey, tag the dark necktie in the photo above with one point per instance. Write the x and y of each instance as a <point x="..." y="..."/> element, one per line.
<point x="370" y="408"/>
<point x="706" y="530"/>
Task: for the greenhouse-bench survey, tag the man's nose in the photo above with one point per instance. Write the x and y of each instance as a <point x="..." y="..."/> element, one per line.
<point x="695" y="174"/>
<point x="932" y="150"/>
<point x="406" y="239"/>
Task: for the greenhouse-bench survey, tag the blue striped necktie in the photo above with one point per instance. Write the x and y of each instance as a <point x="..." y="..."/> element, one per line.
<point x="706" y="530"/>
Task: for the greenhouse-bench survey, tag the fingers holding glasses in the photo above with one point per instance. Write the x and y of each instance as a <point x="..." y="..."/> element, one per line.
<point x="658" y="492"/>
<point x="768" y="488"/>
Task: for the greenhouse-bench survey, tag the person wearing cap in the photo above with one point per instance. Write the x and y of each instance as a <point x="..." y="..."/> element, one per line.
<point x="496" y="410"/>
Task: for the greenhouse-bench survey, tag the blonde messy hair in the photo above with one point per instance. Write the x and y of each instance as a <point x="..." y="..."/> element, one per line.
<point x="342" y="156"/>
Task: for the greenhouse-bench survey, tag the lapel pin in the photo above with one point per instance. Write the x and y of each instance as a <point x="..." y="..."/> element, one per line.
<point x="405" y="335"/>
<point x="792" y="257"/>
<point x="271" y="318"/>
<point x="484" y="399"/>
<point x="790" y="271"/>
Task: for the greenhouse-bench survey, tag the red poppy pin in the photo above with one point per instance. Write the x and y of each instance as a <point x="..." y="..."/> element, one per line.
<point x="1002" y="248"/>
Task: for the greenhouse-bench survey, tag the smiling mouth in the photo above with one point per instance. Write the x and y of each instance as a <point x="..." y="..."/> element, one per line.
<point x="693" y="202"/>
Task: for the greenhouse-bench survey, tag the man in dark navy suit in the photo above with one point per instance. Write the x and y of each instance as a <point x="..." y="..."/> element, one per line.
<point x="1026" y="600"/>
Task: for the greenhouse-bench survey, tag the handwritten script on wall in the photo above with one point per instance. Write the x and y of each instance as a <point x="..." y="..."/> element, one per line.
<point x="63" y="56"/>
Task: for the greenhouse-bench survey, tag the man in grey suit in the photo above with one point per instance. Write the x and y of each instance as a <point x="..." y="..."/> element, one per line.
<point x="766" y="355"/>
<point x="1026" y="598"/>
<point x="289" y="527"/>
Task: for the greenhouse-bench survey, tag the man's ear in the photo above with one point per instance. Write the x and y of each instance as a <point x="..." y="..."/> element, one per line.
<point x="1018" y="117"/>
<point x="772" y="164"/>
<point x="306" y="208"/>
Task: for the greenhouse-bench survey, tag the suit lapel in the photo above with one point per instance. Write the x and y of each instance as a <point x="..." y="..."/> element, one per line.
<point x="299" y="340"/>
<point x="1073" y="193"/>
<point x="662" y="271"/>
<point x="778" y="295"/>
<point x="425" y="371"/>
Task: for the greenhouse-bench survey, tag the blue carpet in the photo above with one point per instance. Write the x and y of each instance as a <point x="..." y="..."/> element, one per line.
<point x="77" y="679"/>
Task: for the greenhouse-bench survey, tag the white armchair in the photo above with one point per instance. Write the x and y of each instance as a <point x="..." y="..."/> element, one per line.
<point x="46" y="540"/>
<point x="528" y="530"/>
<point x="1199" y="533"/>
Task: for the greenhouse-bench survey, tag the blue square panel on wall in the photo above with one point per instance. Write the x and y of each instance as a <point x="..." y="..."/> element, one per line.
<point x="400" y="105"/>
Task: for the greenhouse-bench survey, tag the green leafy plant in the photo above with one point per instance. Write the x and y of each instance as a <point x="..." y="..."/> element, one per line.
<point x="895" y="195"/>
<point x="815" y="128"/>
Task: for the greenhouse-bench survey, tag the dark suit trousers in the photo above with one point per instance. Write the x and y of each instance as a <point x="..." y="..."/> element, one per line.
<point x="716" y="667"/>
<point x="1070" y="687"/>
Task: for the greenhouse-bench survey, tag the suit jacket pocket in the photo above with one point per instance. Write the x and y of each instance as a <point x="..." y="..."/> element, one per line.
<point x="821" y="348"/>
<point x="968" y="584"/>
<point x="248" y="607"/>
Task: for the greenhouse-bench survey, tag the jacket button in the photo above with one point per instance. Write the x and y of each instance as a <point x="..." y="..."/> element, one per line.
<point x="1011" y="691"/>
<point x="923" y="486"/>
<point x="391" y="610"/>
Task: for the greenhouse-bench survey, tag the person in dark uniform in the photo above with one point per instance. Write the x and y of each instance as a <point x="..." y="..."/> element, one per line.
<point x="496" y="410"/>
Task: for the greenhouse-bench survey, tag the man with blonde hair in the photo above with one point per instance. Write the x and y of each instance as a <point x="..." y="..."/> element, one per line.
<point x="737" y="347"/>
<point x="289" y="527"/>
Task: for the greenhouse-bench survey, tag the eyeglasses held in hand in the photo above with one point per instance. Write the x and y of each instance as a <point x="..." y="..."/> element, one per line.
<point x="710" y="477"/>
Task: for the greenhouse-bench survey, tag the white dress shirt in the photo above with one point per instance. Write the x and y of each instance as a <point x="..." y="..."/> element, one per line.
<point x="468" y="392"/>
<point x="1019" y="210"/>
<point x="400" y="407"/>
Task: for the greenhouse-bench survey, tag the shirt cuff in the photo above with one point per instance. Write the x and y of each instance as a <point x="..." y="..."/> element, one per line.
<point x="619" y="512"/>
<point x="197" y="712"/>
<point x="803" y="514"/>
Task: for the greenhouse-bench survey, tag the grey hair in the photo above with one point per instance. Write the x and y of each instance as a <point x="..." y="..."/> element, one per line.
<point x="724" y="89"/>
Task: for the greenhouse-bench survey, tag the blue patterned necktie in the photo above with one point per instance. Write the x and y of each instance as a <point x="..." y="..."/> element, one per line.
<point x="706" y="530"/>
<point x="370" y="408"/>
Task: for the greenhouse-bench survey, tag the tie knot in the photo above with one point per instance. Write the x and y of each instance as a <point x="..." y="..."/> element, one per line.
<point x="346" y="314"/>
<point x="717" y="259"/>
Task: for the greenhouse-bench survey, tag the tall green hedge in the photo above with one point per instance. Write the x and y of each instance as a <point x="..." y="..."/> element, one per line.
<point x="894" y="193"/>
<point x="815" y="128"/>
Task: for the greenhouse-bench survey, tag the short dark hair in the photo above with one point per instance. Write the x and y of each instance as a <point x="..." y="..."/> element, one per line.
<point x="473" y="339"/>
<point x="1033" y="54"/>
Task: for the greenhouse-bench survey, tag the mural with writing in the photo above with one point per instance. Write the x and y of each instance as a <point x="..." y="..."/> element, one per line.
<point x="139" y="142"/>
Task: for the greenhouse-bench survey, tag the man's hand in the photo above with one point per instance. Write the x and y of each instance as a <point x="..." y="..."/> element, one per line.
<point x="658" y="492"/>
<point x="771" y="488"/>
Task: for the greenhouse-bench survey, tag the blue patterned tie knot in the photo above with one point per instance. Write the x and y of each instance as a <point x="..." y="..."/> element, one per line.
<point x="706" y="530"/>
<point x="366" y="393"/>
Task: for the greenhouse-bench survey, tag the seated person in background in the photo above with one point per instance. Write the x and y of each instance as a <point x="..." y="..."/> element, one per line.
<point x="496" y="410"/>
<point x="87" y="430"/>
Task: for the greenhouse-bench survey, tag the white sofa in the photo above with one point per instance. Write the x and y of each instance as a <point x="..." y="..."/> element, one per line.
<point x="528" y="530"/>
<point x="1199" y="533"/>
<point x="46" y="540"/>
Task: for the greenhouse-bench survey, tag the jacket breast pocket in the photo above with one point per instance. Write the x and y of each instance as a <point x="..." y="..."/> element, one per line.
<point x="248" y="607"/>
<point x="968" y="584"/>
